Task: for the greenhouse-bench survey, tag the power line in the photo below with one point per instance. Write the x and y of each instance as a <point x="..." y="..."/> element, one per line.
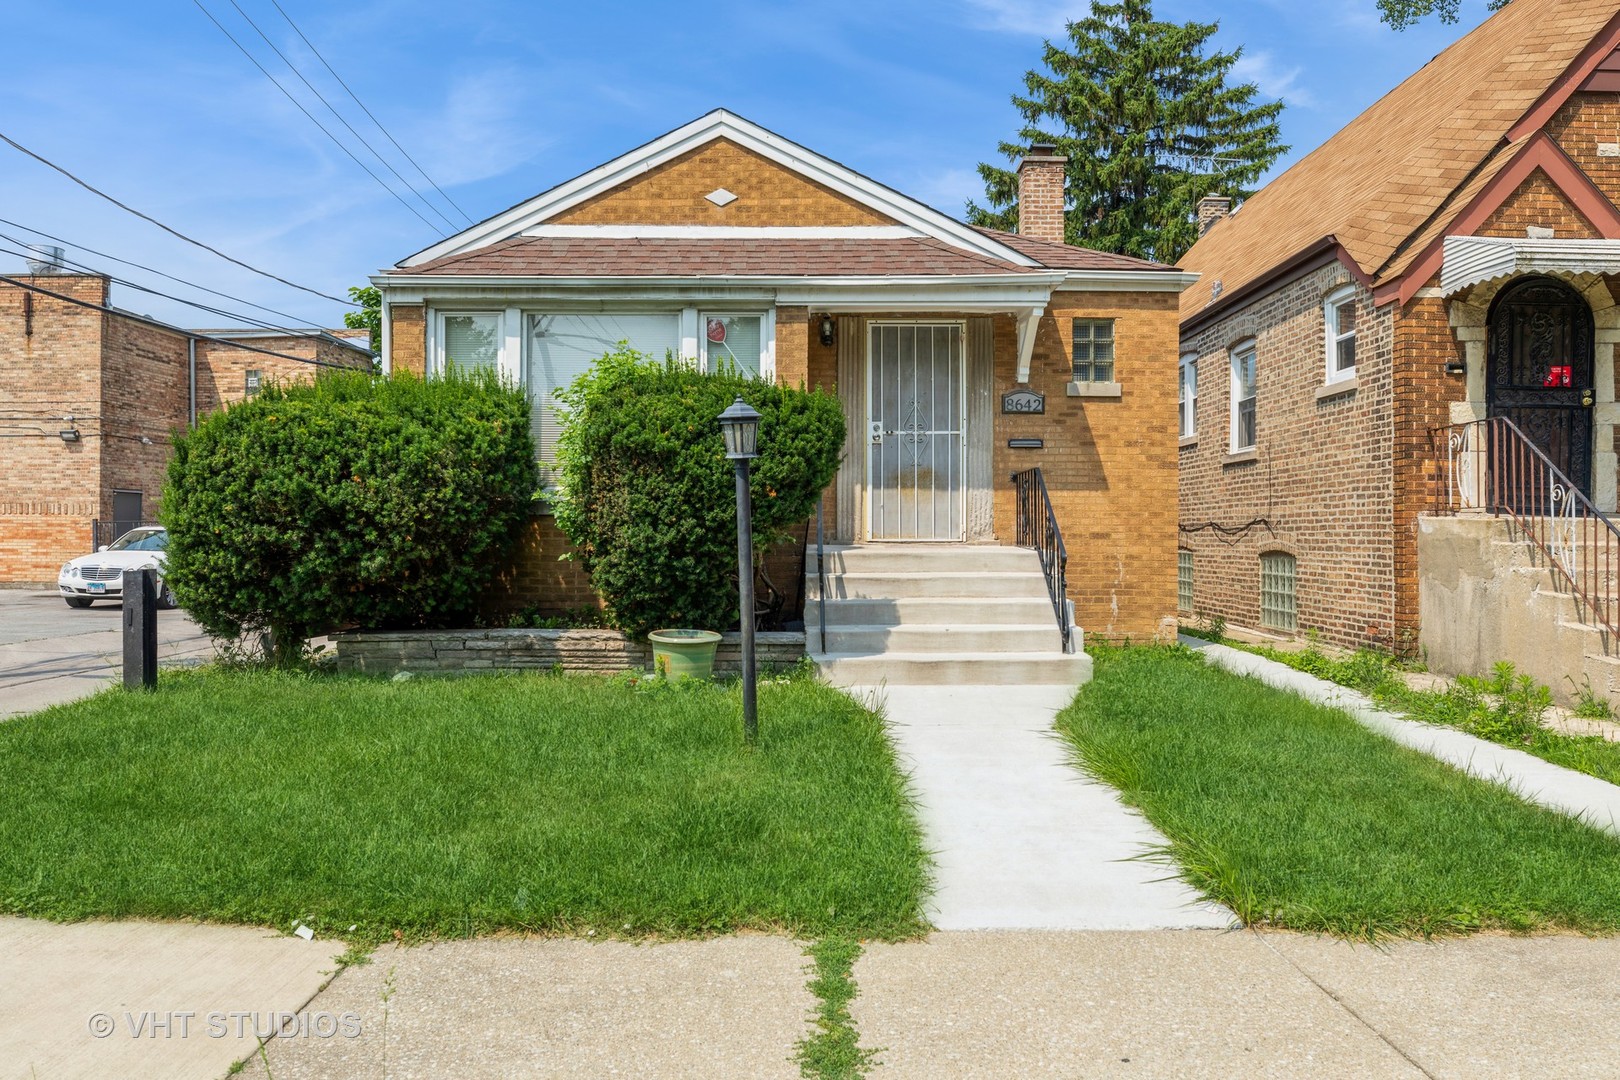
<point x="311" y="116"/>
<point x="148" y="269"/>
<point x="15" y="145"/>
<point x="369" y="113"/>
<point x="105" y="309"/>
<point x="322" y="99"/>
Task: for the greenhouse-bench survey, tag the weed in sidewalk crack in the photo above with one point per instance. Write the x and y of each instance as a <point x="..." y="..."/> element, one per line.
<point x="833" y="1050"/>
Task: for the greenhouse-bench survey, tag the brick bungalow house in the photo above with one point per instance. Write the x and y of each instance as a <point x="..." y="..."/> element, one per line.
<point x="1444" y="258"/>
<point x="1008" y="352"/>
<point x="89" y="395"/>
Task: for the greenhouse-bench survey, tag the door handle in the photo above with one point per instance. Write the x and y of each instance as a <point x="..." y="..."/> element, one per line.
<point x="1586" y="398"/>
<point x="877" y="432"/>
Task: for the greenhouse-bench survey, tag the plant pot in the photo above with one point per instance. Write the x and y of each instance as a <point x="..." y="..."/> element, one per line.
<point x="684" y="652"/>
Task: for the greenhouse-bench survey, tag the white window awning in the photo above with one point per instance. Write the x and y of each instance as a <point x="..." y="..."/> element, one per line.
<point x="1471" y="260"/>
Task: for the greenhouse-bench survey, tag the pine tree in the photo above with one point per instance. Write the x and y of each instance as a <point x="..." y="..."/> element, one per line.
<point x="1149" y="125"/>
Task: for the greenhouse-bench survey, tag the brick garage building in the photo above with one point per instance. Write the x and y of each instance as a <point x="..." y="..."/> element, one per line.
<point x="1342" y="320"/>
<point x="89" y="396"/>
<point x="722" y="238"/>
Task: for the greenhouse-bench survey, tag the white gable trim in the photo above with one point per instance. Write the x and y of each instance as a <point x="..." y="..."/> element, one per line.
<point x="721" y="124"/>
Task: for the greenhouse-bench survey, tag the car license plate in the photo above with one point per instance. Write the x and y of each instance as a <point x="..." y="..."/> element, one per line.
<point x="98" y="586"/>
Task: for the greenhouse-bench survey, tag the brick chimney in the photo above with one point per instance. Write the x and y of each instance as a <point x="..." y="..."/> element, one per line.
<point x="1212" y="208"/>
<point x="1040" y="193"/>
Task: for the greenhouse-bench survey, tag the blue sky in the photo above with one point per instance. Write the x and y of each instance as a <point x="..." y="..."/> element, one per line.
<point x="501" y="99"/>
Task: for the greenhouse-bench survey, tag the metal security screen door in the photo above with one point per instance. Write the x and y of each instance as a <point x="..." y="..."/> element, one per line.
<point x="916" y="416"/>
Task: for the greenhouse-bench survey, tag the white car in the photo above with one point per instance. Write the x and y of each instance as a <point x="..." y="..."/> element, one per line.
<point x="89" y="578"/>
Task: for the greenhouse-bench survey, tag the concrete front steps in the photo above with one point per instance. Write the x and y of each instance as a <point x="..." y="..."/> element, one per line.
<point x="937" y="615"/>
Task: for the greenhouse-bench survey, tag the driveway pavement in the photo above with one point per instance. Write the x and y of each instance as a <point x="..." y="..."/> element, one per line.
<point x="51" y="653"/>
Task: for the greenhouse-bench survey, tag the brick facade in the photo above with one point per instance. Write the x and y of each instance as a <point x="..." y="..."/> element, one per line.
<point x="125" y="382"/>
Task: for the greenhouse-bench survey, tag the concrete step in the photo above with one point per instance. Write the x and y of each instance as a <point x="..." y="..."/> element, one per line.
<point x="962" y="638"/>
<point x="933" y="610"/>
<point x="955" y="669"/>
<point x="900" y="585"/>
<point x="946" y="558"/>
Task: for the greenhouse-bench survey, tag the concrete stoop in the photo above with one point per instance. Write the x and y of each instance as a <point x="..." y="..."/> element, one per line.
<point x="937" y="614"/>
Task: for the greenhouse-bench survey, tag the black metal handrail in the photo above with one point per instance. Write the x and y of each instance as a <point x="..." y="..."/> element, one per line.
<point x="1038" y="529"/>
<point x="821" y="576"/>
<point x="1491" y="465"/>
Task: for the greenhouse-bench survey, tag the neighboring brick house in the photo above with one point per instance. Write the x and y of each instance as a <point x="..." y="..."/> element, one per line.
<point x="723" y="236"/>
<point x="1342" y="316"/>
<point x="88" y="398"/>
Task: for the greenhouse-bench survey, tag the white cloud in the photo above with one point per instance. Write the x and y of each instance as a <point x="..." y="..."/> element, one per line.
<point x="1275" y="82"/>
<point x="1044" y="18"/>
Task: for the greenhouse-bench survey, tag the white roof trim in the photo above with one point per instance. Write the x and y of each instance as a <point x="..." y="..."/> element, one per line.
<point x="1471" y="260"/>
<point x="725" y="232"/>
<point x="705" y="129"/>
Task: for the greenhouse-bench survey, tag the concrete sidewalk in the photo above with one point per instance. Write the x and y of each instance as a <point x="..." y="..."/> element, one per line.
<point x="1021" y="838"/>
<point x="1532" y="779"/>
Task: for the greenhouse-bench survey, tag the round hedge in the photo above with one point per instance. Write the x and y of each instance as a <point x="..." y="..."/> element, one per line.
<point x="352" y="500"/>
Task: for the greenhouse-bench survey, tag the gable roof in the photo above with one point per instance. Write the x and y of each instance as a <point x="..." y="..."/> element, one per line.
<point x="1388" y="186"/>
<point x="720" y="124"/>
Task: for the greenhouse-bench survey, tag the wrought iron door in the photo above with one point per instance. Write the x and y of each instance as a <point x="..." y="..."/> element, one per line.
<point x="1540" y="372"/>
<point x="916" y="416"/>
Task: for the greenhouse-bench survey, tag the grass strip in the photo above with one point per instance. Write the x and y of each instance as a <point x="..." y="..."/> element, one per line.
<point x="450" y="807"/>
<point x="1505" y="707"/>
<point x="1294" y="815"/>
<point x="834" y="1051"/>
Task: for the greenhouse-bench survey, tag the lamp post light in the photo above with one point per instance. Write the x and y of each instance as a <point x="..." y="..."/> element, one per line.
<point x="740" y="426"/>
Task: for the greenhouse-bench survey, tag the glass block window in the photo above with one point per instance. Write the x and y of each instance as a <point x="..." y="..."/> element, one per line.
<point x="1245" y="382"/>
<point x="1340" y="316"/>
<point x="1278" y="608"/>
<point x="1094" y="350"/>
<point x="1184" y="580"/>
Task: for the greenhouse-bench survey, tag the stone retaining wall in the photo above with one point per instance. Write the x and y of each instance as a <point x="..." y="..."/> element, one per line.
<point x="600" y="651"/>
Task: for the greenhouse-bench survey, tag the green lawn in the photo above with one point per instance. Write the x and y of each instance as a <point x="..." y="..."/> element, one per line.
<point x="1296" y="816"/>
<point x="448" y="807"/>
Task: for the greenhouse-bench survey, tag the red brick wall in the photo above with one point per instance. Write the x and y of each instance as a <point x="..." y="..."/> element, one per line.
<point x="1585" y="121"/>
<point x="1320" y="478"/>
<point x="1537" y="202"/>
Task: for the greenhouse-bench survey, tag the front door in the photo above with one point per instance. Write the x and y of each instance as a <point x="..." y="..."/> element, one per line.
<point x="916" y="415"/>
<point x="1539" y="372"/>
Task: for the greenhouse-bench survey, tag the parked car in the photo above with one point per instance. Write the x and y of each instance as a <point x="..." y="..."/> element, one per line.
<point x="100" y="576"/>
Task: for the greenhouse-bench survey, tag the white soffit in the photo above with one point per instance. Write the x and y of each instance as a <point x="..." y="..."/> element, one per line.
<point x="705" y="129"/>
<point x="1470" y="260"/>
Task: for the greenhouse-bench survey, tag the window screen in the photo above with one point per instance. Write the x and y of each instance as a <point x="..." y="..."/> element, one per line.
<point x="563" y="347"/>
<point x="733" y="340"/>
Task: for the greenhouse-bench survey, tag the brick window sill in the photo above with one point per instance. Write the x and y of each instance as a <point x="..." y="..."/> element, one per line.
<point x="1095" y="389"/>
<point x="1342" y="388"/>
<point x="1241" y="457"/>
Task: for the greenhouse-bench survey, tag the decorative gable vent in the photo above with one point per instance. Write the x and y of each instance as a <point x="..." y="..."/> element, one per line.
<point x="721" y="197"/>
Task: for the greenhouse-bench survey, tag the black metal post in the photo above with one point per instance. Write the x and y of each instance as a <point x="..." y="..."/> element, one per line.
<point x="745" y="596"/>
<point x="140" y="630"/>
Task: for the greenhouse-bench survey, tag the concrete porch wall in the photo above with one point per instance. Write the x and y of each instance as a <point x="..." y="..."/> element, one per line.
<point x="1487" y="595"/>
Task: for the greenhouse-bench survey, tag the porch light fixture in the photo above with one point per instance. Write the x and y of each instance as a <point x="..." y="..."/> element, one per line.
<point x="739" y="425"/>
<point x="71" y="435"/>
<point x="828" y="329"/>
<point x="1456" y="367"/>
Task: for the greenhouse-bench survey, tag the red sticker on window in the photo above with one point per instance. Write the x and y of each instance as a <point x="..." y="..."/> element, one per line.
<point x="717" y="330"/>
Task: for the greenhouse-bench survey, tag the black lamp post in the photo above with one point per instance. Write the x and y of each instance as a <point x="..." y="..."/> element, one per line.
<point x="740" y="426"/>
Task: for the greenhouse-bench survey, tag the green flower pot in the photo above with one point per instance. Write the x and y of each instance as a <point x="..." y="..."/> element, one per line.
<point x="684" y="652"/>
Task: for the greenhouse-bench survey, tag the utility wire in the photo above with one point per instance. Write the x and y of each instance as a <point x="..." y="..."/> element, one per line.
<point x="329" y="108"/>
<point x="142" y="266"/>
<point x="76" y="302"/>
<point x="369" y="113"/>
<point x="311" y="116"/>
<point x="15" y="145"/>
<point x="260" y="323"/>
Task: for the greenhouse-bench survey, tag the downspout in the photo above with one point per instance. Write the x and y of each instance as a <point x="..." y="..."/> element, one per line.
<point x="191" y="379"/>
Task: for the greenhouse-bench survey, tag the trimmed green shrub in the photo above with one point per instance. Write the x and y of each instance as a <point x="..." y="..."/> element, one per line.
<point x="347" y="501"/>
<point x="648" y="497"/>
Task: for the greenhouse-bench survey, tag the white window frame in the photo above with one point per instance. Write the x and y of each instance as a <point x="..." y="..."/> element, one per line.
<point x="698" y="319"/>
<point x="1331" y="338"/>
<point x="1239" y="352"/>
<point x="1188" y="401"/>
<point x="509" y="331"/>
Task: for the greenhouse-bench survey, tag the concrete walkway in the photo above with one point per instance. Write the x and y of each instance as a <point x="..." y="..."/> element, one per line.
<point x="86" y="1001"/>
<point x="1532" y="779"/>
<point x="1021" y="838"/>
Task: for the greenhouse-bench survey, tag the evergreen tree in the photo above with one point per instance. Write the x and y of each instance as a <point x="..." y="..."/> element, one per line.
<point x="1149" y="125"/>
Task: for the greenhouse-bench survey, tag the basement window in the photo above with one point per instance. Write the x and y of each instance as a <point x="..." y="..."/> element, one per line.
<point x="1184" y="580"/>
<point x="1279" y="608"/>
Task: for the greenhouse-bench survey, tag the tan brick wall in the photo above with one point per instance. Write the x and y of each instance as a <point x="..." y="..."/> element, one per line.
<point x="1320" y="484"/>
<point x="1041" y="197"/>
<point x="674" y="194"/>
<point x="1109" y="464"/>
<point x="222" y="369"/>
<point x="144" y="395"/>
<point x="407" y="338"/>
<point x="1537" y="202"/>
